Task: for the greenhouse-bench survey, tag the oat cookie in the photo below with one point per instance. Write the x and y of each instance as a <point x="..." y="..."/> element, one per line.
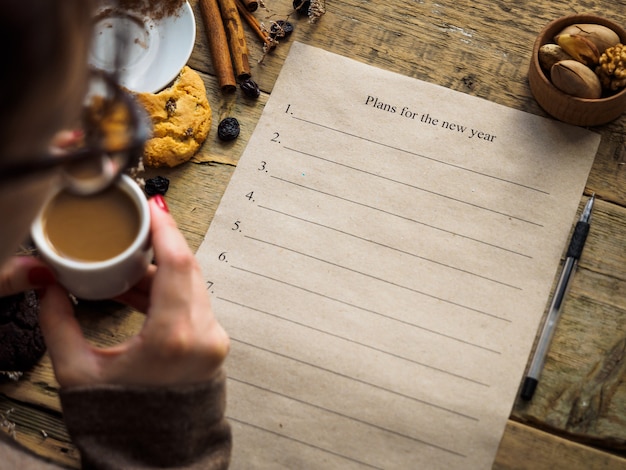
<point x="181" y="120"/>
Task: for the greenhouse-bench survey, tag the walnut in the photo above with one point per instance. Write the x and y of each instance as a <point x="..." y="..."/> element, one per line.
<point x="612" y="68"/>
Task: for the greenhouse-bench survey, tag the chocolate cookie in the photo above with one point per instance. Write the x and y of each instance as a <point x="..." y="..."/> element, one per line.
<point x="21" y="341"/>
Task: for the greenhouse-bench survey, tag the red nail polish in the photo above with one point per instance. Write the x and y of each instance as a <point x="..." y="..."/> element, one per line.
<point x="160" y="202"/>
<point x="41" y="276"/>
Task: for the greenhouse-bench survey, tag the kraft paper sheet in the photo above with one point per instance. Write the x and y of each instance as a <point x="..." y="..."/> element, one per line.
<point x="382" y="259"/>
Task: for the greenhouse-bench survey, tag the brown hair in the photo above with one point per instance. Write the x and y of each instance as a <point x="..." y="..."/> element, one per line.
<point x="43" y="69"/>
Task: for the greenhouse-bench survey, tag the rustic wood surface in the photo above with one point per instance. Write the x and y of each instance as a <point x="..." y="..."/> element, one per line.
<point x="577" y="419"/>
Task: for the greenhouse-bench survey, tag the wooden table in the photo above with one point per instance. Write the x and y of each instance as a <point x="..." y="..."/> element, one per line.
<point x="577" y="419"/>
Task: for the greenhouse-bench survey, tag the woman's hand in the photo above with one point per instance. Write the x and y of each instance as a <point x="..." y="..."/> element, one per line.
<point x="181" y="342"/>
<point x="24" y="273"/>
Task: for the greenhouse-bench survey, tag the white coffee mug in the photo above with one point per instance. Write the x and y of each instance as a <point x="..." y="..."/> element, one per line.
<point x="97" y="280"/>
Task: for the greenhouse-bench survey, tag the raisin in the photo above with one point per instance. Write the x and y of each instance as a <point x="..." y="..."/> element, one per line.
<point x="281" y="29"/>
<point x="189" y="132"/>
<point x="228" y="129"/>
<point x="157" y="185"/>
<point x="250" y="88"/>
<point x="170" y="106"/>
<point x="302" y="6"/>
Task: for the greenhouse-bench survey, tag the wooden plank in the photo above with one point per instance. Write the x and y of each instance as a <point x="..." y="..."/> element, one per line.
<point x="526" y="448"/>
<point x="41" y="432"/>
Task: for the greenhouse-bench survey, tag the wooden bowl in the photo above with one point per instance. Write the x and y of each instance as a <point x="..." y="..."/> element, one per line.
<point x="564" y="107"/>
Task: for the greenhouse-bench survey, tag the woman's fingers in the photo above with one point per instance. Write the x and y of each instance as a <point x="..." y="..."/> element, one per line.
<point x="172" y="286"/>
<point x="23" y="273"/>
<point x="138" y="296"/>
<point x="70" y="352"/>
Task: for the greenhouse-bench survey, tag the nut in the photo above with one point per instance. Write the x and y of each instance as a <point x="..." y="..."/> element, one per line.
<point x="612" y="68"/>
<point x="550" y="54"/>
<point x="579" y="47"/>
<point x="601" y="36"/>
<point x="576" y="79"/>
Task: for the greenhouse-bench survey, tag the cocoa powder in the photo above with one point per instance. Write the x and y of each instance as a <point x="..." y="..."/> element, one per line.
<point x="154" y="9"/>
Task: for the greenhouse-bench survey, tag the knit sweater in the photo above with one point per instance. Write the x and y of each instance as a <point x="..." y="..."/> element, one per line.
<point x="124" y="427"/>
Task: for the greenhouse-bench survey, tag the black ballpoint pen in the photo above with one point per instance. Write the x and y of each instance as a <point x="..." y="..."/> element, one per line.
<point x="574" y="251"/>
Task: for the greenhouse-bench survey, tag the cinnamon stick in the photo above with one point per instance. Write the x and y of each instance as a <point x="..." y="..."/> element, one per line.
<point x="251" y="5"/>
<point x="255" y="26"/>
<point x="218" y="45"/>
<point x="236" y="38"/>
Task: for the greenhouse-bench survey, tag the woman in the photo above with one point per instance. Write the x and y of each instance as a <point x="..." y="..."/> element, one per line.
<point x="156" y="400"/>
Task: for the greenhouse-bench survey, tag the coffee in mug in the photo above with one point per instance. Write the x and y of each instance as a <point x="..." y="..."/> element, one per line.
<point x="99" y="245"/>
<point x="91" y="228"/>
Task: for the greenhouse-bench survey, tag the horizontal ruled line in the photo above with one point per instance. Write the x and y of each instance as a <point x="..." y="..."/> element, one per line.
<point x="358" y="307"/>
<point x="450" y="198"/>
<point x="360" y="381"/>
<point x="351" y="418"/>
<point x="299" y="441"/>
<point x="380" y="279"/>
<point x="358" y="343"/>
<point x="486" y="175"/>
<point x="455" y="268"/>
<point x="378" y="209"/>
